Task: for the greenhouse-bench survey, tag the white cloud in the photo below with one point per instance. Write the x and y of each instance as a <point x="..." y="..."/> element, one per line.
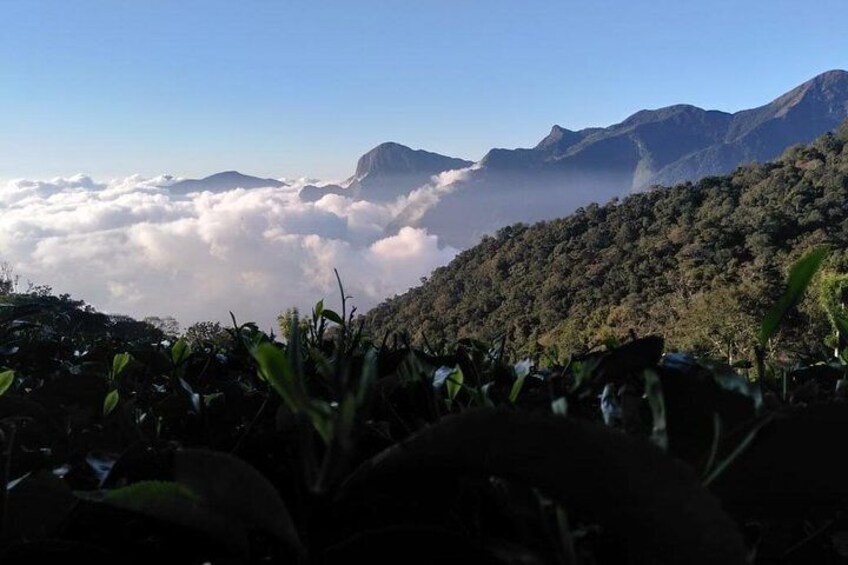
<point x="127" y="246"/>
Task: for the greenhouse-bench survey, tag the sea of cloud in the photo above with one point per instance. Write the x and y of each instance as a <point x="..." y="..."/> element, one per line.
<point x="127" y="246"/>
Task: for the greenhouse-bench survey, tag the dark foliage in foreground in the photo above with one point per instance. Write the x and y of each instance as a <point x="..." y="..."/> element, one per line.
<point x="119" y="447"/>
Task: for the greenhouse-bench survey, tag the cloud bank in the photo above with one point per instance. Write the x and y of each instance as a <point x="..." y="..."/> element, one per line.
<point x="127" y="246"/>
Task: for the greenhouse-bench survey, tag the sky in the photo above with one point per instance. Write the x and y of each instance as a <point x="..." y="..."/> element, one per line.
<point x="302" y="88"/>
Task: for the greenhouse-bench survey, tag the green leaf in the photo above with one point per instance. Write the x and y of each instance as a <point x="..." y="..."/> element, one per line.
<point x="274" y="368"/>
<point x="180" y="352"/>
<point x="212" y="493"/>
<point x="236" y="491"/>
<point x="521" y="370"/>
<point x="119" y="363"/>
<point x="321" y="416"/>
<point x="110" y="402"/>
<point x="6" y="380"/>
<point x="800" y="275"/>
<point x="452" y="379"/>
<point x="174" y="503"/>
<point x="517" y="385"/>
<point x="152" y="497"/>
<point x="841" y="323"/>
<point x="453" y="384"/>
<point x="332" y="316"/>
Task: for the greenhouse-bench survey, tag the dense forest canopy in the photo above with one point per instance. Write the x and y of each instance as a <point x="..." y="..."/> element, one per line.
<point x="698" y="263"/>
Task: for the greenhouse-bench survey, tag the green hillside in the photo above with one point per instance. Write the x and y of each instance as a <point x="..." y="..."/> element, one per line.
<point x="697" y="263"/>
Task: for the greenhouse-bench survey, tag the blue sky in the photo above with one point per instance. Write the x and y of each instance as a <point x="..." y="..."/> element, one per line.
<point x="290" y="88"/>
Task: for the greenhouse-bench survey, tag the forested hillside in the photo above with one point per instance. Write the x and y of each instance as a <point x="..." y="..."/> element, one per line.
<point x="697" y="263"/>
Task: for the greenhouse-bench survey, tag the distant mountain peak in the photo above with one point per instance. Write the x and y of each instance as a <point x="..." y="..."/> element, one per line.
<point x="223" y="181"/>
<point x="558" y="132"/>
<point x="826" y="86"/>
<point x="227" y="175"/>
<point x="833" y="75"/>
<point x="392" y="158"/>
<point x="388" y="171"/>
<point x="560" y="138"/>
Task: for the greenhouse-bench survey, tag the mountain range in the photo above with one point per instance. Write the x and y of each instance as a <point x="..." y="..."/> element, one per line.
<point x="699" y="264"/>
<point x="569" y="169"/>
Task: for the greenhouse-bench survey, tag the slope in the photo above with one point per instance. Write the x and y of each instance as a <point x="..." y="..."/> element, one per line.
<point x="569" y="169"/>
<point x="686" y="262"/>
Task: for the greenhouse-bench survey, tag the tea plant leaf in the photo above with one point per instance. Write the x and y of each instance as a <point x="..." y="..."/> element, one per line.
<point x="521" y="369"/>
<point x="517" y="385"/>
<point x="321" y="415"/>
<point x="180" y="352"/>
<point x="841" y="323"/>
<point x="719" y="467"/>
<point x="174" y="503"/>
<point x="652" y="504"/>
<point x="153" y="498"/>
<point x="213" y="493"/>
<point x="119" y="363"/>
<point x="275" y="369"/>
<point x="449" y="377"/>
<point x="6" y="380"/>
<point x="332" y="316"/>
<point x="800" y="275"/>
<point x="454" y="381"/>
<point x="716" y="443"/>
<point x="110" y="402"/>
<point x="237" y="491"/>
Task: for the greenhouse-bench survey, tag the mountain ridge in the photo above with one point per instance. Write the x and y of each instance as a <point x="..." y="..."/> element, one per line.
<point x="663" y="146"/>
<point x="690" y="258"/>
